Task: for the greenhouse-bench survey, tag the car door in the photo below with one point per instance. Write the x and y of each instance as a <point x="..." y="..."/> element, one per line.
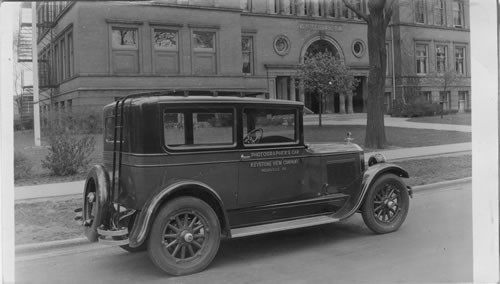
<point x="272" y="162"/>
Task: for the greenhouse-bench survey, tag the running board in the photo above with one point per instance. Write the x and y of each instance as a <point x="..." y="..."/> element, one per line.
<point x="282" y="226"/>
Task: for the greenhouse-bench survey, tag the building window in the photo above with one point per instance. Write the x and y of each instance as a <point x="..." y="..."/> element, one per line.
<point x="125" y="50"/>
<point x="285" y="7"/>
<point x="420" y="11"/>
<point x="426" y="96"/>
<point x="460" y="60"/>
<point x="70" y="105"/>
<point x="245" y="5"/>
<point x="345" y="11"/>
<point x="57" y="71"/>
<point x="441" y="56"/>
<point x="204" y="52"/>
<point x="358" y="48"/>
<point x="63" y="59"/>
<point x="445" y="99"/>
<point x="458" y="13"/>
<point x="124" y="38"/>
<point x="359" y="7"/>
<point x="166" y="50"/>
<point x="421" y="57"/>
<point x="331" y="9"/>
<point x="70" y="68"/>
<point x="439" y="13"/>
<point x="247" y="54"/>
<point x="463" y="100"/>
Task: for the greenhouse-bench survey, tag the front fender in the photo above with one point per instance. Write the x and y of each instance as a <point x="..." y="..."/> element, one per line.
<point x="369" y="177"/>
<point x="143" y="223"/>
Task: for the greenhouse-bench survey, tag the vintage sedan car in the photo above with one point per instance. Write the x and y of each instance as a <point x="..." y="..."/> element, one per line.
<point x="181" y="173"/>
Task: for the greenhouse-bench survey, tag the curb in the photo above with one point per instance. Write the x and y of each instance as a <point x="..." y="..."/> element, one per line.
<point x="425" y="187"/>
<point x="62" y="244"/>
<point x="431" y="156"/>
<point x="59" y="244"/>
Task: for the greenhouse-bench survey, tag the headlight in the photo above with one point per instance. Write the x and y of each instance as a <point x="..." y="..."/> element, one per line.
<point x="375" y="159"/>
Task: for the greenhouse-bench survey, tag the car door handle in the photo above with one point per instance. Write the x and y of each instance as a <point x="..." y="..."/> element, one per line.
<point x="243" y="157"/>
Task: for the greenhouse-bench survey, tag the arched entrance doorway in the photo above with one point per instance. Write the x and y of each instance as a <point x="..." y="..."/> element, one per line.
<point x="312" y="98"/>
<point x="332" y="103"/>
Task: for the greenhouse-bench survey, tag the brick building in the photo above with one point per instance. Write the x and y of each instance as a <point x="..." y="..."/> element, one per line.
<point x="91" y="53"/>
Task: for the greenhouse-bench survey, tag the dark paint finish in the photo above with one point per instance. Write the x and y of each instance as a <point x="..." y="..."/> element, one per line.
<point x="250" y="185"/>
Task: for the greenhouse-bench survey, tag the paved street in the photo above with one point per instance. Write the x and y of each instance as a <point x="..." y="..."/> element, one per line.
<point x="434" y="245"/>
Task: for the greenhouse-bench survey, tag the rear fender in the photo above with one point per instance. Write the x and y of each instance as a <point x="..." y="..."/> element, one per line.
<point x="143" y="222"/>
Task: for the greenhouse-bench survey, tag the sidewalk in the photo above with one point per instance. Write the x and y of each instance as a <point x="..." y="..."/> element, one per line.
<point x="360" y="119"/>
<point x="76" y="187"/>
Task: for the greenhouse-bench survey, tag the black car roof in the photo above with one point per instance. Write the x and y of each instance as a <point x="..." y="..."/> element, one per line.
<point x="139" y="99"/>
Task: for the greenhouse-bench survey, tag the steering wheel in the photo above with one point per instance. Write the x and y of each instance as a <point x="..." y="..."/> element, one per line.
<point x="252" y="137"/>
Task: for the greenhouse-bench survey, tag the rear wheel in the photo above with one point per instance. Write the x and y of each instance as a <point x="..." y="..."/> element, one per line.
<point x="185" y="236"/>
<point x="386" y="204"/>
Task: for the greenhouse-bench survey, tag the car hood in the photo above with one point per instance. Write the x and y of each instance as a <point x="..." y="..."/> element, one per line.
<point x="328" y="148"/>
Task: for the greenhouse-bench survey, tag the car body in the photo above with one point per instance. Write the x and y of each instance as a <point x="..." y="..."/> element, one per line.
<point x="192" y="170"/>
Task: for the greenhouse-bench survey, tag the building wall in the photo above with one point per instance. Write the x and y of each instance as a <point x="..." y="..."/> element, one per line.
<point x="95" y="81"/>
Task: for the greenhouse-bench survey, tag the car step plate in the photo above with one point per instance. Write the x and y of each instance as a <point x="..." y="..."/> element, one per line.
<point x="282" y="226"/>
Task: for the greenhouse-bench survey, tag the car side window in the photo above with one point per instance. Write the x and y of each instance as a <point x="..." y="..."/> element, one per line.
<point x="191" y="128"/>
<point x="269" y="126"/>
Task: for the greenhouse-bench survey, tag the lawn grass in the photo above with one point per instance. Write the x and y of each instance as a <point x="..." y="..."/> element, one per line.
<point x="24" y="143"/>
<point x="54" y="220"/>
<point x="456" y="119"/>
<point x="397" y="138"/>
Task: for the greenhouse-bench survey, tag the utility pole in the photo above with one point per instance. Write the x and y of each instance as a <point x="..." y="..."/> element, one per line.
<point x="36" y="96"/>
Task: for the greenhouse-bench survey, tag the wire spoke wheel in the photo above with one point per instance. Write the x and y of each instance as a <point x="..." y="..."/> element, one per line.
<point x="386" y="204"/>
<point x="185" y="236"/>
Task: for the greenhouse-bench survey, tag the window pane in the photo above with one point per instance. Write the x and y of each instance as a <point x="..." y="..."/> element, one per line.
<point x="457" y="13"/>
<point x="420" y="11"/>
<point x="124" y="37"/>
<point x="421" y="56"/>
<point x="213" y="128"/>
<point x="439" y="12"/>
<point x="165" y="39"/>
<point x="441" y="58"/>
<point x="459" y="60"/>
<point x="246" y="50"/>
<point x="262" y="126"/>
<point x="203" y="40"/>
<point x="198" y="128"/>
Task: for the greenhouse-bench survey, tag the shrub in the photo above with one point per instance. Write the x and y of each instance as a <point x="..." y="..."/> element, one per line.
<point x="68" y="153"/>
<point x="22" y="166"/>
<point x="18" y="124"/>
<point x="415" y="109"/>
<point x="70" y="143"/>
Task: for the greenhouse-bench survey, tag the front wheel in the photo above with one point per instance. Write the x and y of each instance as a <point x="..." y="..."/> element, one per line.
<point x="185" y="236"/>
<point x="386" y="204"/>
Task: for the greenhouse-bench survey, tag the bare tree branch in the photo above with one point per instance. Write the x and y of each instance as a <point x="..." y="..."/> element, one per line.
<point x="360" y="14"/>
<point x="388" y="9"/>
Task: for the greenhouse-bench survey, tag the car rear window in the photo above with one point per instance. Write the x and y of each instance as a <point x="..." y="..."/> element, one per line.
<point x="198" y="128"/>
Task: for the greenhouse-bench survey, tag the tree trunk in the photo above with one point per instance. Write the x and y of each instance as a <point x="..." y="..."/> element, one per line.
<point x="320" y="110"/>
<point x="375" y="129"/>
